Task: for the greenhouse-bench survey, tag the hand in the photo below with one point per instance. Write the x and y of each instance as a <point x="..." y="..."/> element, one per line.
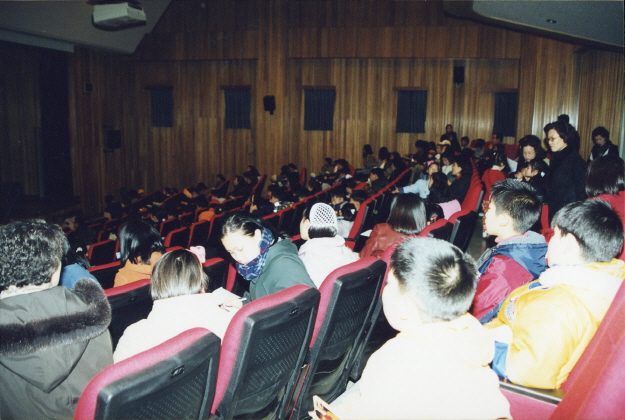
<point x="232" y="304"/>
<point x="519" y="176"/>
<point x="395" y="190"/>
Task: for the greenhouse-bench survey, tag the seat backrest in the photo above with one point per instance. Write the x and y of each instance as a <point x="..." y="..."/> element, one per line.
<point x="464" y="225"/>
<point x="348" y="297"/>
<point x="214" y="235"/>
<point x="359" y="222"/>
<point x="105" y="274"/>
<point x="221" y="190"/>
<point x="130" y="303"/>
<point x="199" y="233"/>
<point x="177" y="237"/>
<point x="187" y="218"/>
<point x="474" y="197"/>
<point x="302" y="176"/>
<point x="217" y="271"/>
<point x="167" y="226"/>
<point x="174" y="380"/>
<point x="262" y="351"/>
<point x="595" y="387"/>
<point x="441" y="229"/>
<point x="274" y="219"/>
<point x="102" y="252"/>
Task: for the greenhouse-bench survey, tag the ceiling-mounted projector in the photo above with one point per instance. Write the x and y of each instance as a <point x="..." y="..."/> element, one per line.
<point x="118" y="15"/>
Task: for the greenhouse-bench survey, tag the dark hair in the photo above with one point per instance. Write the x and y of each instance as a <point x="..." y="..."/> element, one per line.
<point x="563" y="118"/>
<point x="465" y="165"/>
<point x="600" y="131"/>
<point x="518" y="200"/>
<point x="348" y="211"/>
<point x="533" y="141"/>
<point x="432" y="210"/>
<point x="30" y="252"/>
<point x="359" y="195"/>
<point x="463" y="138"/>
<point x="366" y="150"/>
<point x="479" y="143"/>
<point x="139" y="239"/>
<point x="439" y="191"/>
<point x="407" y="214"/>
<point x="437" y="275"/>
<point x="566" y="131"/>
<point x="383" y="153"/>
<point x="316" y="231"/>
<point x="247" y="224"/>
<point x="605" y="176"/>
<point x="177" y="273"/>
<point x="596" y="227"/>
<point x="449" y="125"/>
<point x="379" y="172"/>
<point x="498" y="135"/>
<point x="338" y="192"/>
<point x="328" y="160"/>
<point x="500" y="159"/>
<point x="350" y="183"/>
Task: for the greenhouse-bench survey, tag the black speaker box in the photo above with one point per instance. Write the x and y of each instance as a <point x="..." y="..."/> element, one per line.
<point x="113" y="139"/>
<point x="269" y="102"/>
<point x="459" y="75"/>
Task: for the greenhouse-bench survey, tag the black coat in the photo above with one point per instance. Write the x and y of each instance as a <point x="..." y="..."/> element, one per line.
<point x="566" y="180"/>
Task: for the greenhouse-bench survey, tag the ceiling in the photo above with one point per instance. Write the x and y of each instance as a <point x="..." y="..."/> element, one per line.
<point x="64" y="24"/>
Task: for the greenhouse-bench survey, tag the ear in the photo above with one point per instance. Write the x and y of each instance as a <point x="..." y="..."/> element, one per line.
<point x="504" y="219"/>
<point x="258" y="234"/>
<point x="570" y="245"/>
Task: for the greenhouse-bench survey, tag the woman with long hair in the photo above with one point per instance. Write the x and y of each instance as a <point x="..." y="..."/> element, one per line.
<point x="140" y="246"/>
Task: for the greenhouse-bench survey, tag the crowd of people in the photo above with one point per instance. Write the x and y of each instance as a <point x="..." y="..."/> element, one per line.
<point x="525" y="311"/>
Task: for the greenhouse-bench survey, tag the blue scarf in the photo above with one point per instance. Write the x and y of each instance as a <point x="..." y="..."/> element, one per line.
<point x="254" y="268"/>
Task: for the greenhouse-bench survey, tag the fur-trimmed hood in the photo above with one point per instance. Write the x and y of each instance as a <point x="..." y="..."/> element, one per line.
<point x="44" y="334"/>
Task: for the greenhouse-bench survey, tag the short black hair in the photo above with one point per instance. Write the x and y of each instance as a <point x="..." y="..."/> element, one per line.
<point x="479" y="143"/>
<point x="359" y="195"/>
<point x="437" y="275"/>
<point x="407" y="214"/>
<point x="328" y="160"/>
<point x="518" y="200"/>
<point x="465" y="165"/>
<point x="379" y="172"/>
<point x="350" y="183"/>
<point x="138" y="240"/>
<point x="338" y="192"/>
<point x="595" y="225"/>
<point x="600" y="131"/>
<point x="605" y="176"/>
<point x="566" y="131"/>
<point x="348" y="211"/>
<point x="30" y="252"/>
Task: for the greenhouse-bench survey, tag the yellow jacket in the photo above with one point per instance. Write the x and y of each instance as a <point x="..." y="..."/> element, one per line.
<point x="550" y="321"/>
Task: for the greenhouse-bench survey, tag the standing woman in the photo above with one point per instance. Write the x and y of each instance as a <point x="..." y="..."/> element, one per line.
<point x="264" y="257"/>
<point x="140" y="246"/>
<point x="566" y="180"/>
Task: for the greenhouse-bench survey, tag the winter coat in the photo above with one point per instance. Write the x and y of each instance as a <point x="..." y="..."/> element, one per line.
<point x="505" y="267"/>
<point x="52" y="343"/>
<point x="283" y="269"/>
<point x="321" y="256"/>
<point x="551" y="321"/>
<point x="382" y="236"/>
<point x="566" y="180"/>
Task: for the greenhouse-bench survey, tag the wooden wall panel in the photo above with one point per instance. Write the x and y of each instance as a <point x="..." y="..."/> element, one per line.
<point x="601" y="96"/>
<point x="19" y="115"/>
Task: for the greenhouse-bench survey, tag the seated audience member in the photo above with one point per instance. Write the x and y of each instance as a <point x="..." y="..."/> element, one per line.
<point x="461" y="169"/>
<point x="433" y="212"/>
<point x="113" y="209"/>
<point x="519" y="256"/>
<point x="377" y="178"/>
<point x="422" y="186"/>
<point x="140" y="246"/>
<point x="345" y="220"/>
<point x="543" y="328"/>
<point x="437" y="366"/>
<point x="494" y="174"/>
<point x="357" y="198"/>
<point x="338" y="197"/>
<point x="178" y="288"/>
<point x="54" y="340"/>
<point x="441" y="194"/>
<point x="478" y="148"/>
<point x="264" y="257"/>
<point x="327" y="167"/>
<point x="324" y="250"/>
<point x="602" y="144"/>
<point x="406" y="217"/>
<point x="75" y="265"/>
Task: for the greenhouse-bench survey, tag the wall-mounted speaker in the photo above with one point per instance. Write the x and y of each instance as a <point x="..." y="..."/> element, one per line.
<point x="459" y="75"/>
<point x="269" y="102"/>
<point x="113" y="139"/>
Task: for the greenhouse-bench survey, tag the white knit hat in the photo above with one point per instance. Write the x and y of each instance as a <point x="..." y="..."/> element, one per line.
<point x="322" y="215"/>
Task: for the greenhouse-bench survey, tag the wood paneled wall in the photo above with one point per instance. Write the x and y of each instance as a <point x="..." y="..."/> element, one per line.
<point x="19" y="115"/>
<point x="365" y="49"/>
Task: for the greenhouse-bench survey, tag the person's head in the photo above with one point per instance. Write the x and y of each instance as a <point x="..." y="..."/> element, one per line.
<point x="433" y="212"/>
<point x="429" y="280"/>
<point x="367" y="150"/>
<point x="514" y="207"/>
<point x="464" y="141"/>
<point x="447" y="160"/>
<point x="564" y="118"/>
<point x="479" y="144"/>
<point x="138" y="240"/>
<point x="439" y="190"/>
<point x="357" y="198"/>
<point x="530" y="148"/>
<point x="377" y="173"/>
<point x="561" y="135"/>
<point x="383" y="153"/>
<point x="350" y="184"/>
<point x="241" y="235"/>
<point x="407" y="214"/>
<point x="496" y="138"/>
<point x="30" y="253"/>
<point x="432" y="168"/>
<point x="600" y="136"/>
<point x="605" y="176"/>
<point x="338" y="195"/>
<point x="449" y="128"/>
<point x="500" y="160"/>
<point x="461" y="166"/>
<point x="585" y="231"/>
<point x="318" y="221"/>
<point x="442" y="146"/>
<point x="348" y="212"/>
<point x="177" y="273"/>
<point x="328" y="161"/>
<point x="109" y="199"/>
